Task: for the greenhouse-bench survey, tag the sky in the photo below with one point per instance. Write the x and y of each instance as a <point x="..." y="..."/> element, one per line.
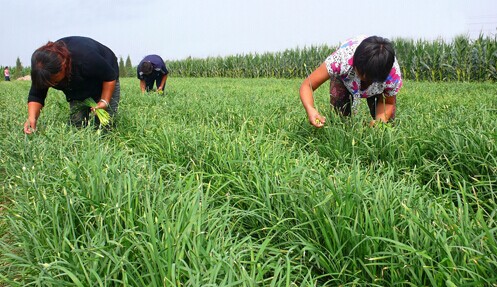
<point x="208" y="28"/>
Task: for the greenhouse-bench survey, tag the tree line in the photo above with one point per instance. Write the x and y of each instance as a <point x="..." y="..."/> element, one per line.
<point x="126" y="69"/>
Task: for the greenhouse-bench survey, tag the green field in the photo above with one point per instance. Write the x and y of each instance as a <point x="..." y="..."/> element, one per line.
<point x="222" y="182"/>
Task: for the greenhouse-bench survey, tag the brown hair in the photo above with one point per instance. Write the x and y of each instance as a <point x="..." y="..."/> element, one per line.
<point x="47" y="61"/>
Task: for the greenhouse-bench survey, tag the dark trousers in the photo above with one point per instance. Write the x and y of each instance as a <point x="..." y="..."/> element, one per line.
<point x="149" y="83"/>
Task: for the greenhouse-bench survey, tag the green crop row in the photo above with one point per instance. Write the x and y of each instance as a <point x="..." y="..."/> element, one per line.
<point x="223" y="182"/>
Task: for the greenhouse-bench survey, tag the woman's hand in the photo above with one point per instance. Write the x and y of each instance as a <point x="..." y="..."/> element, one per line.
<point x="34" y="109"/>
<point x="315" y="118"/>
<point x="385" y="109"/>
<point x="100" y="105"/>
<point x="315" y="79"/>
<point x="30" y="126"/>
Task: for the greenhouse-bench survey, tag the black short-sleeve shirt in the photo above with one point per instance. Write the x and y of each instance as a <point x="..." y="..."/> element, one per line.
<point x="91" y="64"/>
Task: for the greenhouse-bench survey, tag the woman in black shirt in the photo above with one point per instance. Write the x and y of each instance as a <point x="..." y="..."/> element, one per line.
<point x="80" y="67"/>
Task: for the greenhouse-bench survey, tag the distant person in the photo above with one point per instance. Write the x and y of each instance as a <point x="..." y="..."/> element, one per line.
<point x="6" y="74"/>
<point x="152" y="69"/>
<point x="81" y="68"/>
<point x="360" y="68"/>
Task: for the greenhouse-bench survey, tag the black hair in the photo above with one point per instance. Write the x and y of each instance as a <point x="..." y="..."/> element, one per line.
<point x="374" y="58"/>
<point x="146" y="68"/>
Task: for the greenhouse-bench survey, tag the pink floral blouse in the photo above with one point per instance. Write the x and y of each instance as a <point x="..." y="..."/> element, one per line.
<point x="339" y="65"/>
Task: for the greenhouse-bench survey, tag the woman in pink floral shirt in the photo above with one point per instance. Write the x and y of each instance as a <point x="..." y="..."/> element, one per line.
<point x="360" y="68"/>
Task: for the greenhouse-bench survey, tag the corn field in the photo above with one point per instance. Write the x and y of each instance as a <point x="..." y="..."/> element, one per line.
<point x="462" y="59"/>
<point x="287" y="64"/>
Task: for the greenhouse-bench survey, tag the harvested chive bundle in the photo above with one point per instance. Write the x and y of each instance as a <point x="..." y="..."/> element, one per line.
<point x="102" y="114"/>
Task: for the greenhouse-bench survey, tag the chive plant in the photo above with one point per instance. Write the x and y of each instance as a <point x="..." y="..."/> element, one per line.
<point x="223" y="182"/>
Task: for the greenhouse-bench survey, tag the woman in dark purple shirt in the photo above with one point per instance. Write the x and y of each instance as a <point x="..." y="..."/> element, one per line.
<point x="152" y="69"/>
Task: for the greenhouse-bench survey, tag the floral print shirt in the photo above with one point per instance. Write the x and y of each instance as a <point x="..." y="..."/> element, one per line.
<point x="339" y="64"/>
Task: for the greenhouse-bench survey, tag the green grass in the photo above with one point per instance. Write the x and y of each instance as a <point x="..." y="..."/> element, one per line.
<point x="222" y="182"/>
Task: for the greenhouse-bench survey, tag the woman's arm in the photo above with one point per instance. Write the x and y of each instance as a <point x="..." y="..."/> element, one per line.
<point x="34" y="109"/>
<point x="162" y="83"/>
<point x="309" y="85"/>
<point x="385" y="109"/>
<point x="107" y="91"/>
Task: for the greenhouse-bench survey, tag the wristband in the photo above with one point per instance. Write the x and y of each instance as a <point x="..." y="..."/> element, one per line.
<point x="105" y="102"/>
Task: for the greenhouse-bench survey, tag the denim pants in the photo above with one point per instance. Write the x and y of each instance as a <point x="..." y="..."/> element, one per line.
<point x="79" y="113"/>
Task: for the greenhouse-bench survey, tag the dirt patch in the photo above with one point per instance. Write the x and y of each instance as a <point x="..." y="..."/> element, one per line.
<point x="25" y="78"/>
